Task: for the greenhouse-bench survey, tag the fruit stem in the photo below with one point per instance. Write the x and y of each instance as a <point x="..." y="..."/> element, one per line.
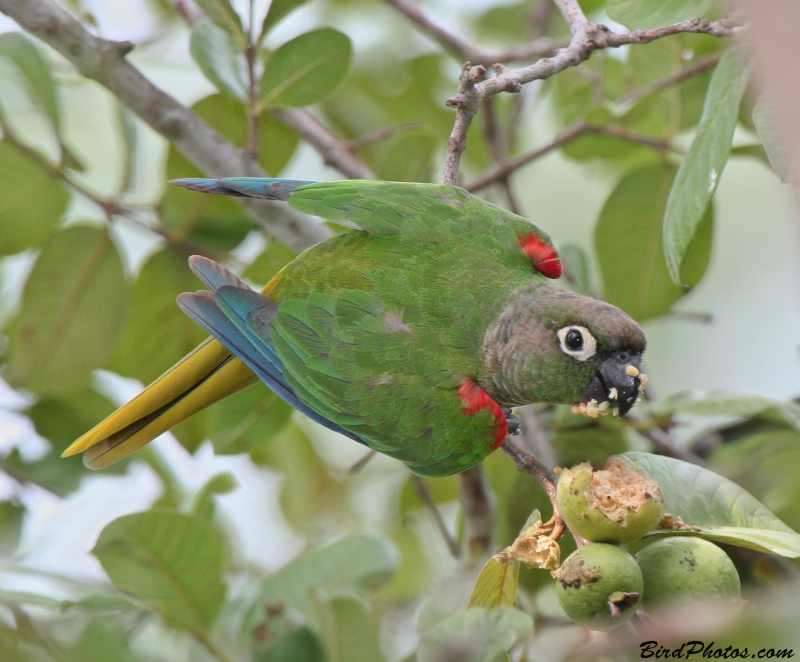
<point x="528" y="464"/>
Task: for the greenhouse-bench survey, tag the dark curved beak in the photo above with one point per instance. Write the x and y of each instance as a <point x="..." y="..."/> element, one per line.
<point x="617" y="382"/>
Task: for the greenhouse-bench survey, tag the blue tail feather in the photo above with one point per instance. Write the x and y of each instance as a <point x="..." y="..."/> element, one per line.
<point x="213" y="274"/>
<point x="238" y="305"/>
<point x="239" y="318"/>
<point x="247" y="187"/>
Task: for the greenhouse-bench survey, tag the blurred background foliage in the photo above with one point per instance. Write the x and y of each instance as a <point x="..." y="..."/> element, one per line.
<point x="251" y="534"/>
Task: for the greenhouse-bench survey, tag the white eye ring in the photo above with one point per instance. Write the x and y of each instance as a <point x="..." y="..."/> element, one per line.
<point x="588" y="348"/>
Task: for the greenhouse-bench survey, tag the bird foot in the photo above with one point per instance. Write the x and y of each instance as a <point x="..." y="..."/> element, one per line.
<point x="512" y="422"/>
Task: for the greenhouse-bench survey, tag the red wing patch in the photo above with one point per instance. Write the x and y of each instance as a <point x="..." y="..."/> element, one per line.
<point x="475" y="399"/>
<point x="543" y="256"/>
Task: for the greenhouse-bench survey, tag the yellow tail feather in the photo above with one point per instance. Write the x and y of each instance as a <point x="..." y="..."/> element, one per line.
<point x="206" y="375"/>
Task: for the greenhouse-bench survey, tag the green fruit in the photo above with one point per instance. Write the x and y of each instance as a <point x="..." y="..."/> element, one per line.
<point x="682" y="568"/>
<point x="615" y="504"/>
<point x="599" y="586"/>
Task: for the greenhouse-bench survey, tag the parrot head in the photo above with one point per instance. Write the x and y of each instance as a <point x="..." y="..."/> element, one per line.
<point x="552" y="345"/>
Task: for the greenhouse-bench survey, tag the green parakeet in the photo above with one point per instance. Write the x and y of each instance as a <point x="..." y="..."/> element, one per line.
<point x="413" y="333"/>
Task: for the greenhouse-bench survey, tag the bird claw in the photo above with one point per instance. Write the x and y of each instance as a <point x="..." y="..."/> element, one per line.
<point x="512" y="422"/>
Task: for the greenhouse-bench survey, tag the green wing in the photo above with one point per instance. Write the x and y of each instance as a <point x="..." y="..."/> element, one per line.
<point x="427" y="213"/>
<point x="380" y="327"/>
<point x="363" y="366"/>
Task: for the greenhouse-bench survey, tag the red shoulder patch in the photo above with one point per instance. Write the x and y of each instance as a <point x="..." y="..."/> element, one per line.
<point x="475" y="399"/>
<point x="543" y="256"/>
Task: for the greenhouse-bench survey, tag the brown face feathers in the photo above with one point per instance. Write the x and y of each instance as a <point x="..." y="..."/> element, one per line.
<point x="526" y="359"/>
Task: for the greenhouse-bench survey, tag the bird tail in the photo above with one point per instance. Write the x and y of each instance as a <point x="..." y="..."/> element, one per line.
<point x="240" y="319"/>
<point x="206" y="375"/>
<point x="244" y="187"/>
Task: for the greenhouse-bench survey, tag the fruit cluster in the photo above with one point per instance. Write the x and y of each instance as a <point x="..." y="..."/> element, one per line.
<point x="600" y="586"/>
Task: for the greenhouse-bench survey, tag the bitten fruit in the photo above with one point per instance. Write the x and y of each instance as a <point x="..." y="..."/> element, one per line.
<point x="599" y="586"/>
<point x="615" y="504"/>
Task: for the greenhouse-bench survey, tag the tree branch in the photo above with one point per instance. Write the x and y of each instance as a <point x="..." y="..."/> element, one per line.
<point x="464" y="50"/>
<point x="700" y="65"/>
<point x="381" y="134"/>
<point x="104" y="61"/>
<point x="334" y="152"/>
<point x="504" y="169"/>
<point x="430" y="505"/>
<point x="477" y="506"/>
<point x="587" y="37"/>
<point x="528" y="464"/>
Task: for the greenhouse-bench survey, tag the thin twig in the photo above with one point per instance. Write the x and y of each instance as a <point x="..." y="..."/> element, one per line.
<point x="699" y="66"/>
<point x="382" y="134"/>
<point x="663" y="442"/>
<point x="587" y="37"/>
<point x="624" y="134"/>
<point x="24" y="479"/>
<point x="333" y="150"/>
<point x="112" y="208"/>
<point x="358" y="466"/>
<point x="498" y="149"/>
<point x="104" y="61"/>
<point x="425" y="494"/>
<point x="530" y="465"/>
<point x="188" y="10"/>
<point x="464" y="50"/>
<point x="470" y="102"/>
<point x="477" y="507"/>
<point x="253" y="111"/>
<point x="501" y="170"/>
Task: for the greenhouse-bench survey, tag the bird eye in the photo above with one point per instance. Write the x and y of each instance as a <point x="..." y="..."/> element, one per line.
<point x="577" y="341"/>
<point x="574" y="340"/>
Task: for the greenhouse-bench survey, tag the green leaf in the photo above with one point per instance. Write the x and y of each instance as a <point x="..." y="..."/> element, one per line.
<point x="277" y="10"/>
<point x="724" y="511"/>
<point x="174" y="561"/>
<point x="727" y="403"/>
<point x="338" y="569"/>
<point x="576" y="264"/>
<point x="655" y="13"/>
<point x="246" y="420"/>
<point x="496" y="585"/>
<point x="475" y="635"/>
<point x="204" y="505"/>
<point x="61" y="421"/>
<point x="11" y="515"/>
<point x="581" y="439"/>
<point x="768" y="131"/>
<point x="351" y="633"/>
<point x="217" y="55"/>
<point x="297" y="645"/>
<point x="157" y="334"/>
<point x="31" y="202"/>
<point x="73" y="307"/>
<point x="701" y="169"/>
<point x="629" y="245"/>
<point x="306" y="69"/>
<point x="754" y="151"/>
<point x="223" y="14"/>
<point x="130" y="137"/>
<point x="408" y="158"/>
<point x="35" y="74"/>
<point x="103" y="639"/>
<point x="217" y="221"/>
<point x="274" y="258"/>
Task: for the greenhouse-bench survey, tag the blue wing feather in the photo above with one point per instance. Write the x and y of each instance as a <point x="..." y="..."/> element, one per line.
<point x="228" y="315"/>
